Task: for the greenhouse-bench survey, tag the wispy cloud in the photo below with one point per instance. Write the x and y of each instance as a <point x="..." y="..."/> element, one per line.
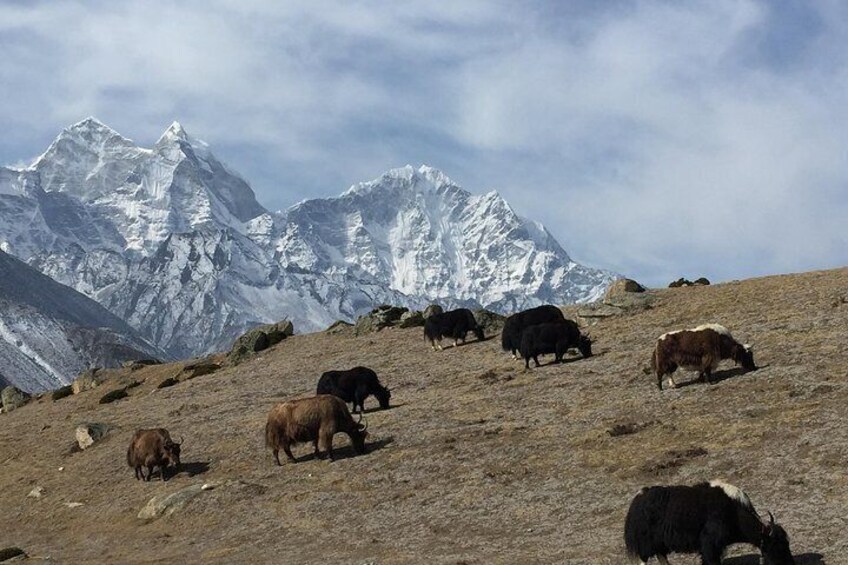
<point x="658" y="139"/>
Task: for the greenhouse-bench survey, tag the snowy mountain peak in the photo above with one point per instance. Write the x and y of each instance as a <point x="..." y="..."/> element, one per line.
<point x="408" y="178"/>
<point x="174" y="242"/>
<point x="175" y="132"/>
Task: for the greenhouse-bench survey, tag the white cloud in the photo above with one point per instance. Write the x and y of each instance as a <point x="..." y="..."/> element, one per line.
<point x="660" y="139"/>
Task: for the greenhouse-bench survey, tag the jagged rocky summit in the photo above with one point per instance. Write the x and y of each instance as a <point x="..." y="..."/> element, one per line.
<point x="172" y="241"/>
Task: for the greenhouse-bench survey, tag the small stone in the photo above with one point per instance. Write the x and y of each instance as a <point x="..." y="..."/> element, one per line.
<point x="36" y="492"/>
<point x="61" y="468"/>
<point x="74" y="504"/>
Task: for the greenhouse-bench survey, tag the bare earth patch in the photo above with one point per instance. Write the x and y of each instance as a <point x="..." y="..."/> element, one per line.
<point x="478" y="461"/>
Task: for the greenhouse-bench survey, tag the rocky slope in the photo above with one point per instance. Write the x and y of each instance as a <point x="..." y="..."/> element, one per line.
<point x="49" y="333"/>
<point x="171" y="240"/>
<point x="478" y="461"/>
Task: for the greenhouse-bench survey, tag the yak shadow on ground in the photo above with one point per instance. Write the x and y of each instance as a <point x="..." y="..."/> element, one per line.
<point x="344" y="452"/>
<point x="716" y="377"/>
<point x="194" y="468"/>
<point x="378" y="409"/>
<point x="471" y="342"/>
<point x="754" y="559"/>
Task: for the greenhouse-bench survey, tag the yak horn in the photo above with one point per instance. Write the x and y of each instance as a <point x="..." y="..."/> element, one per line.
<point x="366" y="426"/>
<point x="771" y="519"/>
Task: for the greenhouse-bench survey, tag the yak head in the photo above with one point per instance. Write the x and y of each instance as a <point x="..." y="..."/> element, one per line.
<point x="775" y="544"/>
<point x="478" y="331"/>
<point x="383" y="395"/>
<point x="743" y="355"/>
<point x="584" y="344"/>
<point x="172" y="452"/>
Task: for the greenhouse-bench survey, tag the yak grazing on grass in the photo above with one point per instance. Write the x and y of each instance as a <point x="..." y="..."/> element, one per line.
<point x="354" y="385"/>
<point x="515" y="324"/>
<point x="453" y="323"/>
<point x="317" y="420"/>
<point x="699" y="349"/>
<point x="556" y="338"/>
<point x="151" y="449"/>
<point x="705" y="518"/>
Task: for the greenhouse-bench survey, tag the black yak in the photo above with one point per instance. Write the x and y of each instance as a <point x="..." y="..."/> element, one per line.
<point x="556" y="338"/>
<point x="705" y="519"/>
<point x="515" y="324"/>
<point x="454" y="324"/>
<point x="354" y="385"/>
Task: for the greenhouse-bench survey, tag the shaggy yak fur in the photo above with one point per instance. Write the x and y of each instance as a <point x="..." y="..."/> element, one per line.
<point x="153" y="448"/>
<point x="699" y="349"/>
<point x="317" y="420"/>
<point x="705" y="519"/>
<point x="454" y="324"/>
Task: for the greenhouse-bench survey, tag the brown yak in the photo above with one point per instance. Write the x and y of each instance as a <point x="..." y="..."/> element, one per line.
<point x="316" y="419"/>
<point x="153" y="448"/>
<point x="699" y="349"/>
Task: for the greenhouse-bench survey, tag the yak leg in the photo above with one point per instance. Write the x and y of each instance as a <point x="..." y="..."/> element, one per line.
<point x="662" y="559"/>
<point x="317" y="451"/>
<point x="277" y="457"/>
<point x="149" y="472"/>
<point x="536" y="360"/>
<point x="287" y="450"/>
<point x="326" y="437"/>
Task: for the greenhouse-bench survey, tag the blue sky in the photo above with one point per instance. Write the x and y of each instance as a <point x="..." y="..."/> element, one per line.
<point x="657" y="139"/>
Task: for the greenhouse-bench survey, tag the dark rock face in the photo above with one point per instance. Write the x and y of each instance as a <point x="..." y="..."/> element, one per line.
<point x="491" y="322"/>
<point x="378" y="318"/>
<point x="259" y="339"/>
<point x="411" y="319"/>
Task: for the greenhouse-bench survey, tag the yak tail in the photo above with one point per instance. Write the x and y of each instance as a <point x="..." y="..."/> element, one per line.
<point x="272" y="435"/>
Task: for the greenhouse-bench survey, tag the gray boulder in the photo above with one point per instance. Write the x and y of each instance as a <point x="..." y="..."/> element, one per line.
<point x="90" y="379"/>
<point x="90" y="433"/>
<point x="411" y="319"/>
<point x="491" y="322"/>
<point x="259" y="339"/>
<point x="378" y="318"/>
<point x="13" y="398"/>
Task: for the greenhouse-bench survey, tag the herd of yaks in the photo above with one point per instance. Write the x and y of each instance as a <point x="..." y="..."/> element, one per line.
<point x="704" y="518"/>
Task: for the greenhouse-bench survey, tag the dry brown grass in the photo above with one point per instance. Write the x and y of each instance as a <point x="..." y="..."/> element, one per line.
<point x="479" y="462"/>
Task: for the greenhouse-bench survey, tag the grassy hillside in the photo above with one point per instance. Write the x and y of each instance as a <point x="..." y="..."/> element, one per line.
<point x="478" y="462"/>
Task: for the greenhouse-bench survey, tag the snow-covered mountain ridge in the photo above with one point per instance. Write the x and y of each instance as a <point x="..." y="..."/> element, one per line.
<point x="174" y="242"/>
